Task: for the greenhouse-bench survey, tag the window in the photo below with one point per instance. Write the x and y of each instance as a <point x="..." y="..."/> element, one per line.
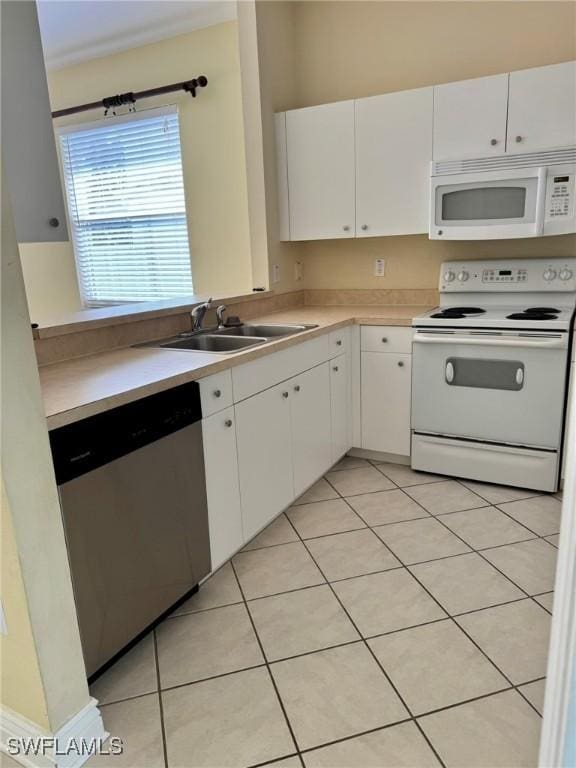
<point x="125" y="192"/>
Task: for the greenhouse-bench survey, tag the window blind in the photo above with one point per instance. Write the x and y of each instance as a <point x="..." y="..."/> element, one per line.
<point x="125" y="193"/>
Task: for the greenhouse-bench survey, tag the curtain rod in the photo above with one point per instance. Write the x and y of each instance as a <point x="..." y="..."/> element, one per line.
<point x="130" y="98"/>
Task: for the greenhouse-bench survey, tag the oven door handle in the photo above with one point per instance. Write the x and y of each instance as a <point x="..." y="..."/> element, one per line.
<point x="486" y="342"/>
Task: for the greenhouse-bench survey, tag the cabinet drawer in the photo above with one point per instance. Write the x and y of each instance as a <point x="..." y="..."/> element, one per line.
<point x="379" y="338"/>
<point x="339" y="341"/>
<point x="215" y="392"/>
<point x="258" y="375"/>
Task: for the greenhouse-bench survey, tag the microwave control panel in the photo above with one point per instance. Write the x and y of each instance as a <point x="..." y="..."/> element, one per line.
<point x="560" y="196"/>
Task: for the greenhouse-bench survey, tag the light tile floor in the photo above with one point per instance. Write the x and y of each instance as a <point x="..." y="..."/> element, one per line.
<point x="389" y="618"/>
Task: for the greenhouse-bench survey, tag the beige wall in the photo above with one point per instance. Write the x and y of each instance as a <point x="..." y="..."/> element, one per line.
<point x="353" y="49"/>
<point x="32" y="522"/>
<point x="213" y="156"/>
<point x="50" y="277"/>
<point x="22" y="689"/>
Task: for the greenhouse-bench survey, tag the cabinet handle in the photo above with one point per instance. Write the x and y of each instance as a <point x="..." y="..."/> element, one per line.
<point x="518" y="139"/>
<point x="400" y="364"/>
<point x="297" y="388"/>
<point x="228" y="422"/>
<point x="335" y="368"/>
<point x="339" y="343"/>
<point x="217" y="393"/>
<point x="364" y="227"/>
<point x="284" y="395"/>
<point x="493" y="142"/>
<point x="384" y="340"/>
<point x="54" y="222"/>
<point x="346" y="228"/>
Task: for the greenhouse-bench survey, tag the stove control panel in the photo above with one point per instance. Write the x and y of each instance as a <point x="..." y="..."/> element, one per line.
<point x="519" y="275"/>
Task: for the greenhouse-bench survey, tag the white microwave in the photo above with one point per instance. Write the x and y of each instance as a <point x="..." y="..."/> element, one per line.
<point x="528" y="195"/>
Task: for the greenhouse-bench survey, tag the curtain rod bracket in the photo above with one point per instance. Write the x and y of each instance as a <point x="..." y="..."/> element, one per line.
<point x="191" y="85"/>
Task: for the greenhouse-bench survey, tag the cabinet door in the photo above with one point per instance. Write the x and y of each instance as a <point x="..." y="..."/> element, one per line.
<point x="28" y="146"/>
<point x="393" y="154"/>
<point x="470" y="118"/>
<point x="542" y="108"/>
<point x="282" y="176"/>
<point x="340" y="406"/>
<point x="264" y="443"/>
<point x="222" y="485"/>
<point x="320" y="147"/>
<point x="311" y="429"/>
<point x="386" y="388"/>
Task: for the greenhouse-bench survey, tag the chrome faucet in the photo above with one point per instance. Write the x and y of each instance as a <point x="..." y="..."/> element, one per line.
<point x="220" y="315"/>
<point x="198" y="314"/>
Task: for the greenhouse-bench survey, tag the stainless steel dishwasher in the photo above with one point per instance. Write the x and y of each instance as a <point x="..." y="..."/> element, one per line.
<point x="133" y="496"/>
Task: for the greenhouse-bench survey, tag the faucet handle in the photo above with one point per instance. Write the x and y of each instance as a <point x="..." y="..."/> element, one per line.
<point x="220" y="315"/>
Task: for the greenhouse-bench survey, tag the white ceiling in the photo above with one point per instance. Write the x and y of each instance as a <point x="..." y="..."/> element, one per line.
<point x="77" y="30"/>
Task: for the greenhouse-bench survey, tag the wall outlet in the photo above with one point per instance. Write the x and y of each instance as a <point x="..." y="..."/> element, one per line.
<point x="298" y="270"/>
<point x="379" y="267"/>
<point x="275" y="273"/>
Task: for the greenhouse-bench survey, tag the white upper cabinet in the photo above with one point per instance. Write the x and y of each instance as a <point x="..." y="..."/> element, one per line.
<point x="320" y="149"/>
<point x="393" y="154"/>
<point x="470" y="118"/>
<point x="282" y="176"/>
<point x="542" y="108"/>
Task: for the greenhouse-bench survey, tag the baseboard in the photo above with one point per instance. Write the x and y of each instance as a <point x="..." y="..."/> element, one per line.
<point x="392" y="458"/>
<point x="69" y="747"/>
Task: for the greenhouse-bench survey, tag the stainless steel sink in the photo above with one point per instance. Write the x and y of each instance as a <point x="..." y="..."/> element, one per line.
<point x="224" y="341"/>
<point x="264" y="331"/>
<point x="212" y="343"/>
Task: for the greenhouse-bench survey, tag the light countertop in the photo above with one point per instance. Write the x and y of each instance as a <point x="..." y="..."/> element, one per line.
<point x="81" y="387"/>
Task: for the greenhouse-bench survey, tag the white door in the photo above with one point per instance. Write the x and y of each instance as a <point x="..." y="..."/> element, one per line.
<point x="393" y="154"/>
<point x="222" y="485"/>
<point x="320" y="147"/>
<point x="542" y="108"/>
<point x="311" y="428"/>
<point x="470" y="118"/>
<point x="340" y="406"/>
<point x="263" y="437"/>
<point x="386" y="390"/>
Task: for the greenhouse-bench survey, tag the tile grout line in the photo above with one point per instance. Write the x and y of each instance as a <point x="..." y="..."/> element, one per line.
<point x="267" y="664"/>
<point x="449" y="615"/>
<point x="160" y="702"/>
<point x="372" y="654"/>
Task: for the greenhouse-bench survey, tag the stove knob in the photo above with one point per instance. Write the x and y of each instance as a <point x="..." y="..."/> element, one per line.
<point x="549" y="274"/>
<point x="463" y="276"/>
<point x="566" y="274"/>
<point x="449" y="276"/>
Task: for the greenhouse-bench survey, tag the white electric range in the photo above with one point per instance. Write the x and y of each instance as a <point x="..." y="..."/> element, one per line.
<point x="490" y="372"/>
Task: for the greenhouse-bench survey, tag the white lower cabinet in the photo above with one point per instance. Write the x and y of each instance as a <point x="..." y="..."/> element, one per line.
<point x="386" y="393"/>
<point x="222" y="485"/>
<point x="263" y="435"/>
<point x="340" y="404"/>
<point x="311" y="426"/>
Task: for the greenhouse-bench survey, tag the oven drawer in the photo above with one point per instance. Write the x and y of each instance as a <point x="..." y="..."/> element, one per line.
<point x="502" y="390"/>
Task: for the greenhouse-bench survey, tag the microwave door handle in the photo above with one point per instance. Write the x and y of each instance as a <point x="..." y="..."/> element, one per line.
<point x="542" y="176"/>
<point x="484" y="342"/>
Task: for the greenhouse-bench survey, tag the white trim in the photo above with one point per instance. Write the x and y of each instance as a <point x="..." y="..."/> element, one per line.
<point x="563" y="634"/>
<point x="84" y="725"/>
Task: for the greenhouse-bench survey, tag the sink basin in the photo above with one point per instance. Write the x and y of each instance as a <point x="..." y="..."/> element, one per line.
<point x="264" y="331"/>
<point x="212" y="343"/>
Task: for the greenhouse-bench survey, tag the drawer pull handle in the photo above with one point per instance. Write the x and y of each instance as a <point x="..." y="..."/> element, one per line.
<point x="520" y="377"/>
<point x="297" y="388"/>
<point x="384" y="340"/>
<point x="335" y="368"/>
<point x="228" y="422"/>
<point x="217" y="393"/>
<point x="284" y="395"/>
<point x="339" y="343"/>
<point x="400" y="364"/>
<point x="449" y="373"/>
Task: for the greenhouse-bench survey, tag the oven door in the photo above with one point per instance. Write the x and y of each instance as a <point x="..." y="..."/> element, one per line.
<point x="488" y="205"/>
<point x="504" y="387"/>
